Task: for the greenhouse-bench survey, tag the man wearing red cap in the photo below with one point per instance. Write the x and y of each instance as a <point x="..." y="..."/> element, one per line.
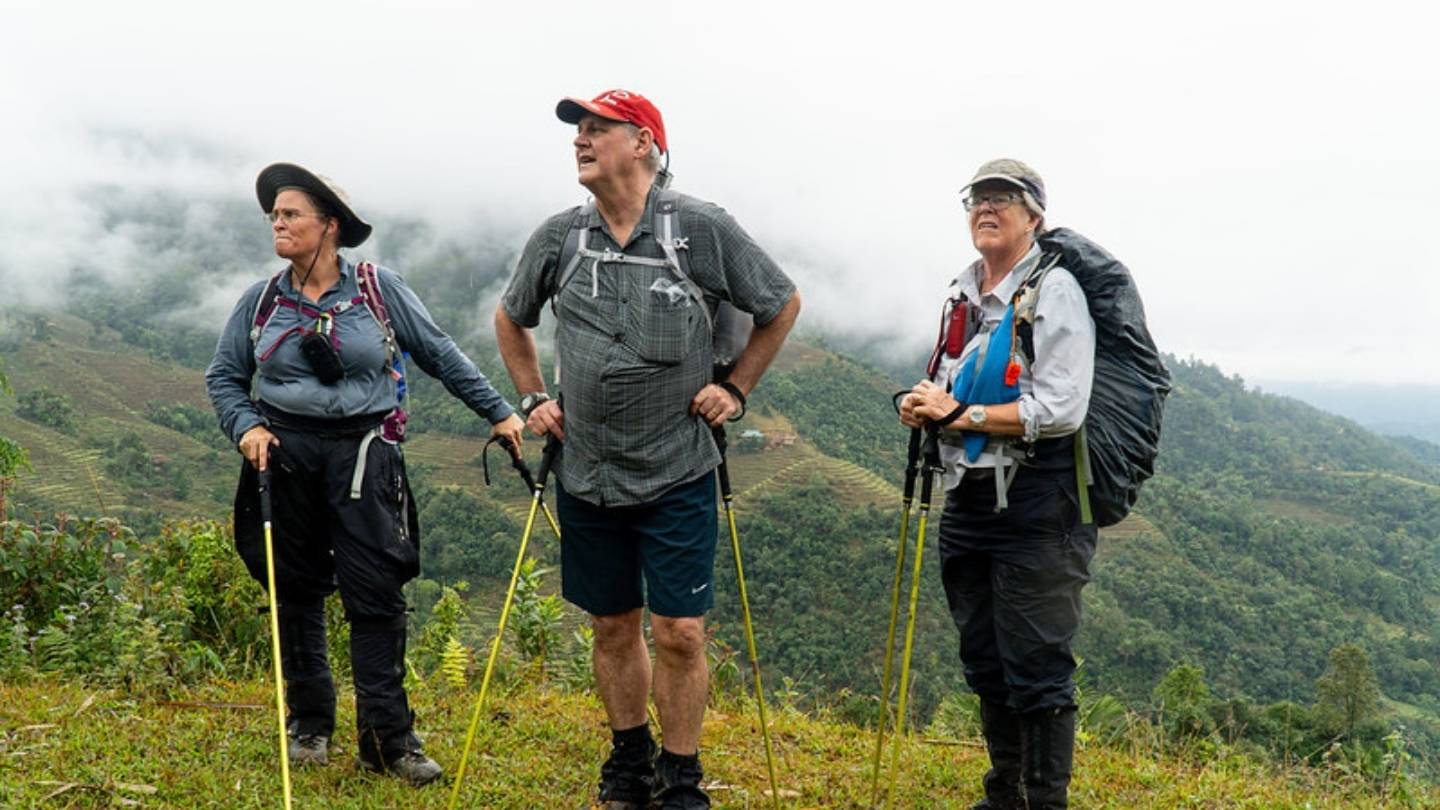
<point x="641" y="280"/>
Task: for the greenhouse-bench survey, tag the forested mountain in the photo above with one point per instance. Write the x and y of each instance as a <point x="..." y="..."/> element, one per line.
<point x="1272" y="534"/>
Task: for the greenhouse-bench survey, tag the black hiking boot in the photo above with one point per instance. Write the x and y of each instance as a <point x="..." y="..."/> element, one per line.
<point x="1049" y="754"/>
<point x="629" y="773"/>
<point x="1003" y="740"/>
<point x="677" y="783"/>
<point x="410" y="766"/>
<point x="309" y="749"/>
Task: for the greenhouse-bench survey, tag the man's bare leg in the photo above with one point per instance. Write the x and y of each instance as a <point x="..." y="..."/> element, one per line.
<point x="681" y="681"/>
<point x="622" y="668"/>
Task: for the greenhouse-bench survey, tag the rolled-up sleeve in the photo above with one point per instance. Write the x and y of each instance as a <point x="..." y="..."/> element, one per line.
<point x="1064" y="367"/>
<point x="536" y="272"/>
<point x="227" y="378"/>
<point x="436" y="353"/>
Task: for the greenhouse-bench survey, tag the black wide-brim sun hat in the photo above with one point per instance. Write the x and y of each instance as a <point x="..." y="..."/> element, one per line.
<point x="353" y="229"/>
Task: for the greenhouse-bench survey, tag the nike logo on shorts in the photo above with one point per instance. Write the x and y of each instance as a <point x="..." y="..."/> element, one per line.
<point x="699" y="589"/>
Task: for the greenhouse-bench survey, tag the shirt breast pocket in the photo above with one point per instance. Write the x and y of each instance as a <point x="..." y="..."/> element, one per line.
<point x="664" y="318"/>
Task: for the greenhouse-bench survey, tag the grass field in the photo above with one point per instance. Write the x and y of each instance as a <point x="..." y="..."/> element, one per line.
<point x="62" y="745"/>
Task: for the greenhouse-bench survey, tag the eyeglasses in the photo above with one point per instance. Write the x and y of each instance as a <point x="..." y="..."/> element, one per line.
<point x="998" y="200"/>
<point x="289" y="215"/>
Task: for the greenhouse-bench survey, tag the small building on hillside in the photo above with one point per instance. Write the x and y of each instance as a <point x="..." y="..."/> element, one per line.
<point x="750" y="441"/>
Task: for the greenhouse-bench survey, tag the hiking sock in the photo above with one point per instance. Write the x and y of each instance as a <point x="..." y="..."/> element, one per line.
<point x="637" y="738"/>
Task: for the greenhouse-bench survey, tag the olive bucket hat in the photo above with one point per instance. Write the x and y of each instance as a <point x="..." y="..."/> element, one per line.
<point x="276" y="176"/>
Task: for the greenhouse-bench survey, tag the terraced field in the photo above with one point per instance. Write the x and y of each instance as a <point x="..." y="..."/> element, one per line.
<point x="109" y="391"/>
<point x="1131" y="527"/>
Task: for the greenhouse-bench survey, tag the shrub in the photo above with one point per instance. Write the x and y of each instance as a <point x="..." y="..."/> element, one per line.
<point x="48" y="408"/>
<point x="92" y="609"/>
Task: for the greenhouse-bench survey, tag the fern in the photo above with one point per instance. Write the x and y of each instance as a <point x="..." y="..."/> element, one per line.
<point x="454" y="663"/>
<point x="54" y="650"/>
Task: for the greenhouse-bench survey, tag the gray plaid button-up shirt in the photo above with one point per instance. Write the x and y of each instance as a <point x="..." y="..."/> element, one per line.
<point x="632" y="353"/>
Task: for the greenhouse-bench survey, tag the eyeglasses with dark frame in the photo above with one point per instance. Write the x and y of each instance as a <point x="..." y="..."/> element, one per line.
<point x="997" y="200"/>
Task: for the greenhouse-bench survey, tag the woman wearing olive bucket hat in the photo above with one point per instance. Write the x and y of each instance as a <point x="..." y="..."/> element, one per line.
<point x="322" y="342"/>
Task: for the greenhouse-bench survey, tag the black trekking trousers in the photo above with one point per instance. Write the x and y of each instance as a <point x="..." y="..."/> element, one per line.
<point x="368" y="547"/>
<point x="1012" y="580"/>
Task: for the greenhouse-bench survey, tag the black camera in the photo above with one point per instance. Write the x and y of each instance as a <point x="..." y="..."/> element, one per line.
<point x="322" y="356"/>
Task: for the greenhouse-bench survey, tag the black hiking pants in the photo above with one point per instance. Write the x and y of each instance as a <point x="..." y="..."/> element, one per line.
<point x="1012" y="580"/>
<point x="367" y="546"/>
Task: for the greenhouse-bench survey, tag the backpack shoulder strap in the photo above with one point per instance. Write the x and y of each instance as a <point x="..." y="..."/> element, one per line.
<point x="571" y="252"/>
<point x="1026" y="299"/>
<point x="265" y="306"/>
<point x="367" y="277"/>
<point x="666" y="230"/>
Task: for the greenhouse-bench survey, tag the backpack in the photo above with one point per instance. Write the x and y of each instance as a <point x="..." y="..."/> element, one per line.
<point x="729" y="327"/>
<point x="367" y="278"/>
<point x="1117" y="446"/>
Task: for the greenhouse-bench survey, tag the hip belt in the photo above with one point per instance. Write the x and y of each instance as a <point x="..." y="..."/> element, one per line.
<point x="1056" y="453"/>
<point x="365" y="427"/>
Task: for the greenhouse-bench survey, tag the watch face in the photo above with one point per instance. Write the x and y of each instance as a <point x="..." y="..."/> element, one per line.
<point x="977" y="416"/>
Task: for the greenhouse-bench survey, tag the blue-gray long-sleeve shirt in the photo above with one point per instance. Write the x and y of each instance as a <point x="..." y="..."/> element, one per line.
<point x="284" y="379"/>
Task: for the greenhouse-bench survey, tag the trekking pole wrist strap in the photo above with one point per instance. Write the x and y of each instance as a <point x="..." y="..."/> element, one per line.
<point x="950" y="417"/>
<point x="734" y="391"/>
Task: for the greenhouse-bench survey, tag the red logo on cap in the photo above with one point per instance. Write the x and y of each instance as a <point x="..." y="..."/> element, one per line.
<point x="619" y="105"/>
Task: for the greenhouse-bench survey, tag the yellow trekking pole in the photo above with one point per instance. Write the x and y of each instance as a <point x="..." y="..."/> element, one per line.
<point x="912" y="460"/>
<point x="551" y="446"/>
<point x="729" y="498"/>
<point x="265" y="515"/>
<point x="931" y="466"/>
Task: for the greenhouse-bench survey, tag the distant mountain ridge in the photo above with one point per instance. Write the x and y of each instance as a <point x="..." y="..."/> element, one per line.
<point x="1391" y="410"/>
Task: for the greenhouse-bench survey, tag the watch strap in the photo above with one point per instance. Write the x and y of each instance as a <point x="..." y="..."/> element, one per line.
<point x="947" y="419"/>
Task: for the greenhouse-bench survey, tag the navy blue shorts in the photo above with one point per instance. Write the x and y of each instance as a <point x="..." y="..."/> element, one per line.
<point x="669" y="542"/>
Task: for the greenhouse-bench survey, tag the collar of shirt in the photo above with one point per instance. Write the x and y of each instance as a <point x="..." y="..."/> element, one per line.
<point x="347" y="271"/>
<point x="1005" y="290"/>
<point x="642" y="228"/>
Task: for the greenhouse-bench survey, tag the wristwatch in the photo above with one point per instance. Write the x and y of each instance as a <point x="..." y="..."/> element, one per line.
<point x="976" y="415"/>
<point x="530" y="402"/>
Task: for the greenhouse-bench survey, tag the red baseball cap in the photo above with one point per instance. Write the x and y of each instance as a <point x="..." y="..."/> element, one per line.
<point x="616" y="105"/>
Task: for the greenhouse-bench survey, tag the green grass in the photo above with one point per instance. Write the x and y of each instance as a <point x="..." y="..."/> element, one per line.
<point x="63" y="745"/>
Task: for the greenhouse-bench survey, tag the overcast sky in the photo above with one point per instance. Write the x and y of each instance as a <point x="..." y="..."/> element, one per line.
<point x="1267" y="170"/>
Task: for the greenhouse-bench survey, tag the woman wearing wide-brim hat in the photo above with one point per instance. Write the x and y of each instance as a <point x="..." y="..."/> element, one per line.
<point x="322" y="342"/>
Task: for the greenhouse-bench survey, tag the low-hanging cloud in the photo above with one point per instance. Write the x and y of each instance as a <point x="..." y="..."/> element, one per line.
<point x="1257" y="182"/>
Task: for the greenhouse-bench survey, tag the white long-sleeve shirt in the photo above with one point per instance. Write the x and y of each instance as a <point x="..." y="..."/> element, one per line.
<point x="1055" y="392"/>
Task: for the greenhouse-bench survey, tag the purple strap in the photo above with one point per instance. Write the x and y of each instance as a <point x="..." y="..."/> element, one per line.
<point x="265" y="355"/>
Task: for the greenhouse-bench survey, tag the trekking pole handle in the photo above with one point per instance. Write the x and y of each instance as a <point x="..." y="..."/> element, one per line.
<point x="547" y="458"/>
<point x="265" y="507"/>
<point x="517" y="461"/>
<point x="932" y="463"/>
<point x="912" y="463"/>
<point x="721" y="444"/>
